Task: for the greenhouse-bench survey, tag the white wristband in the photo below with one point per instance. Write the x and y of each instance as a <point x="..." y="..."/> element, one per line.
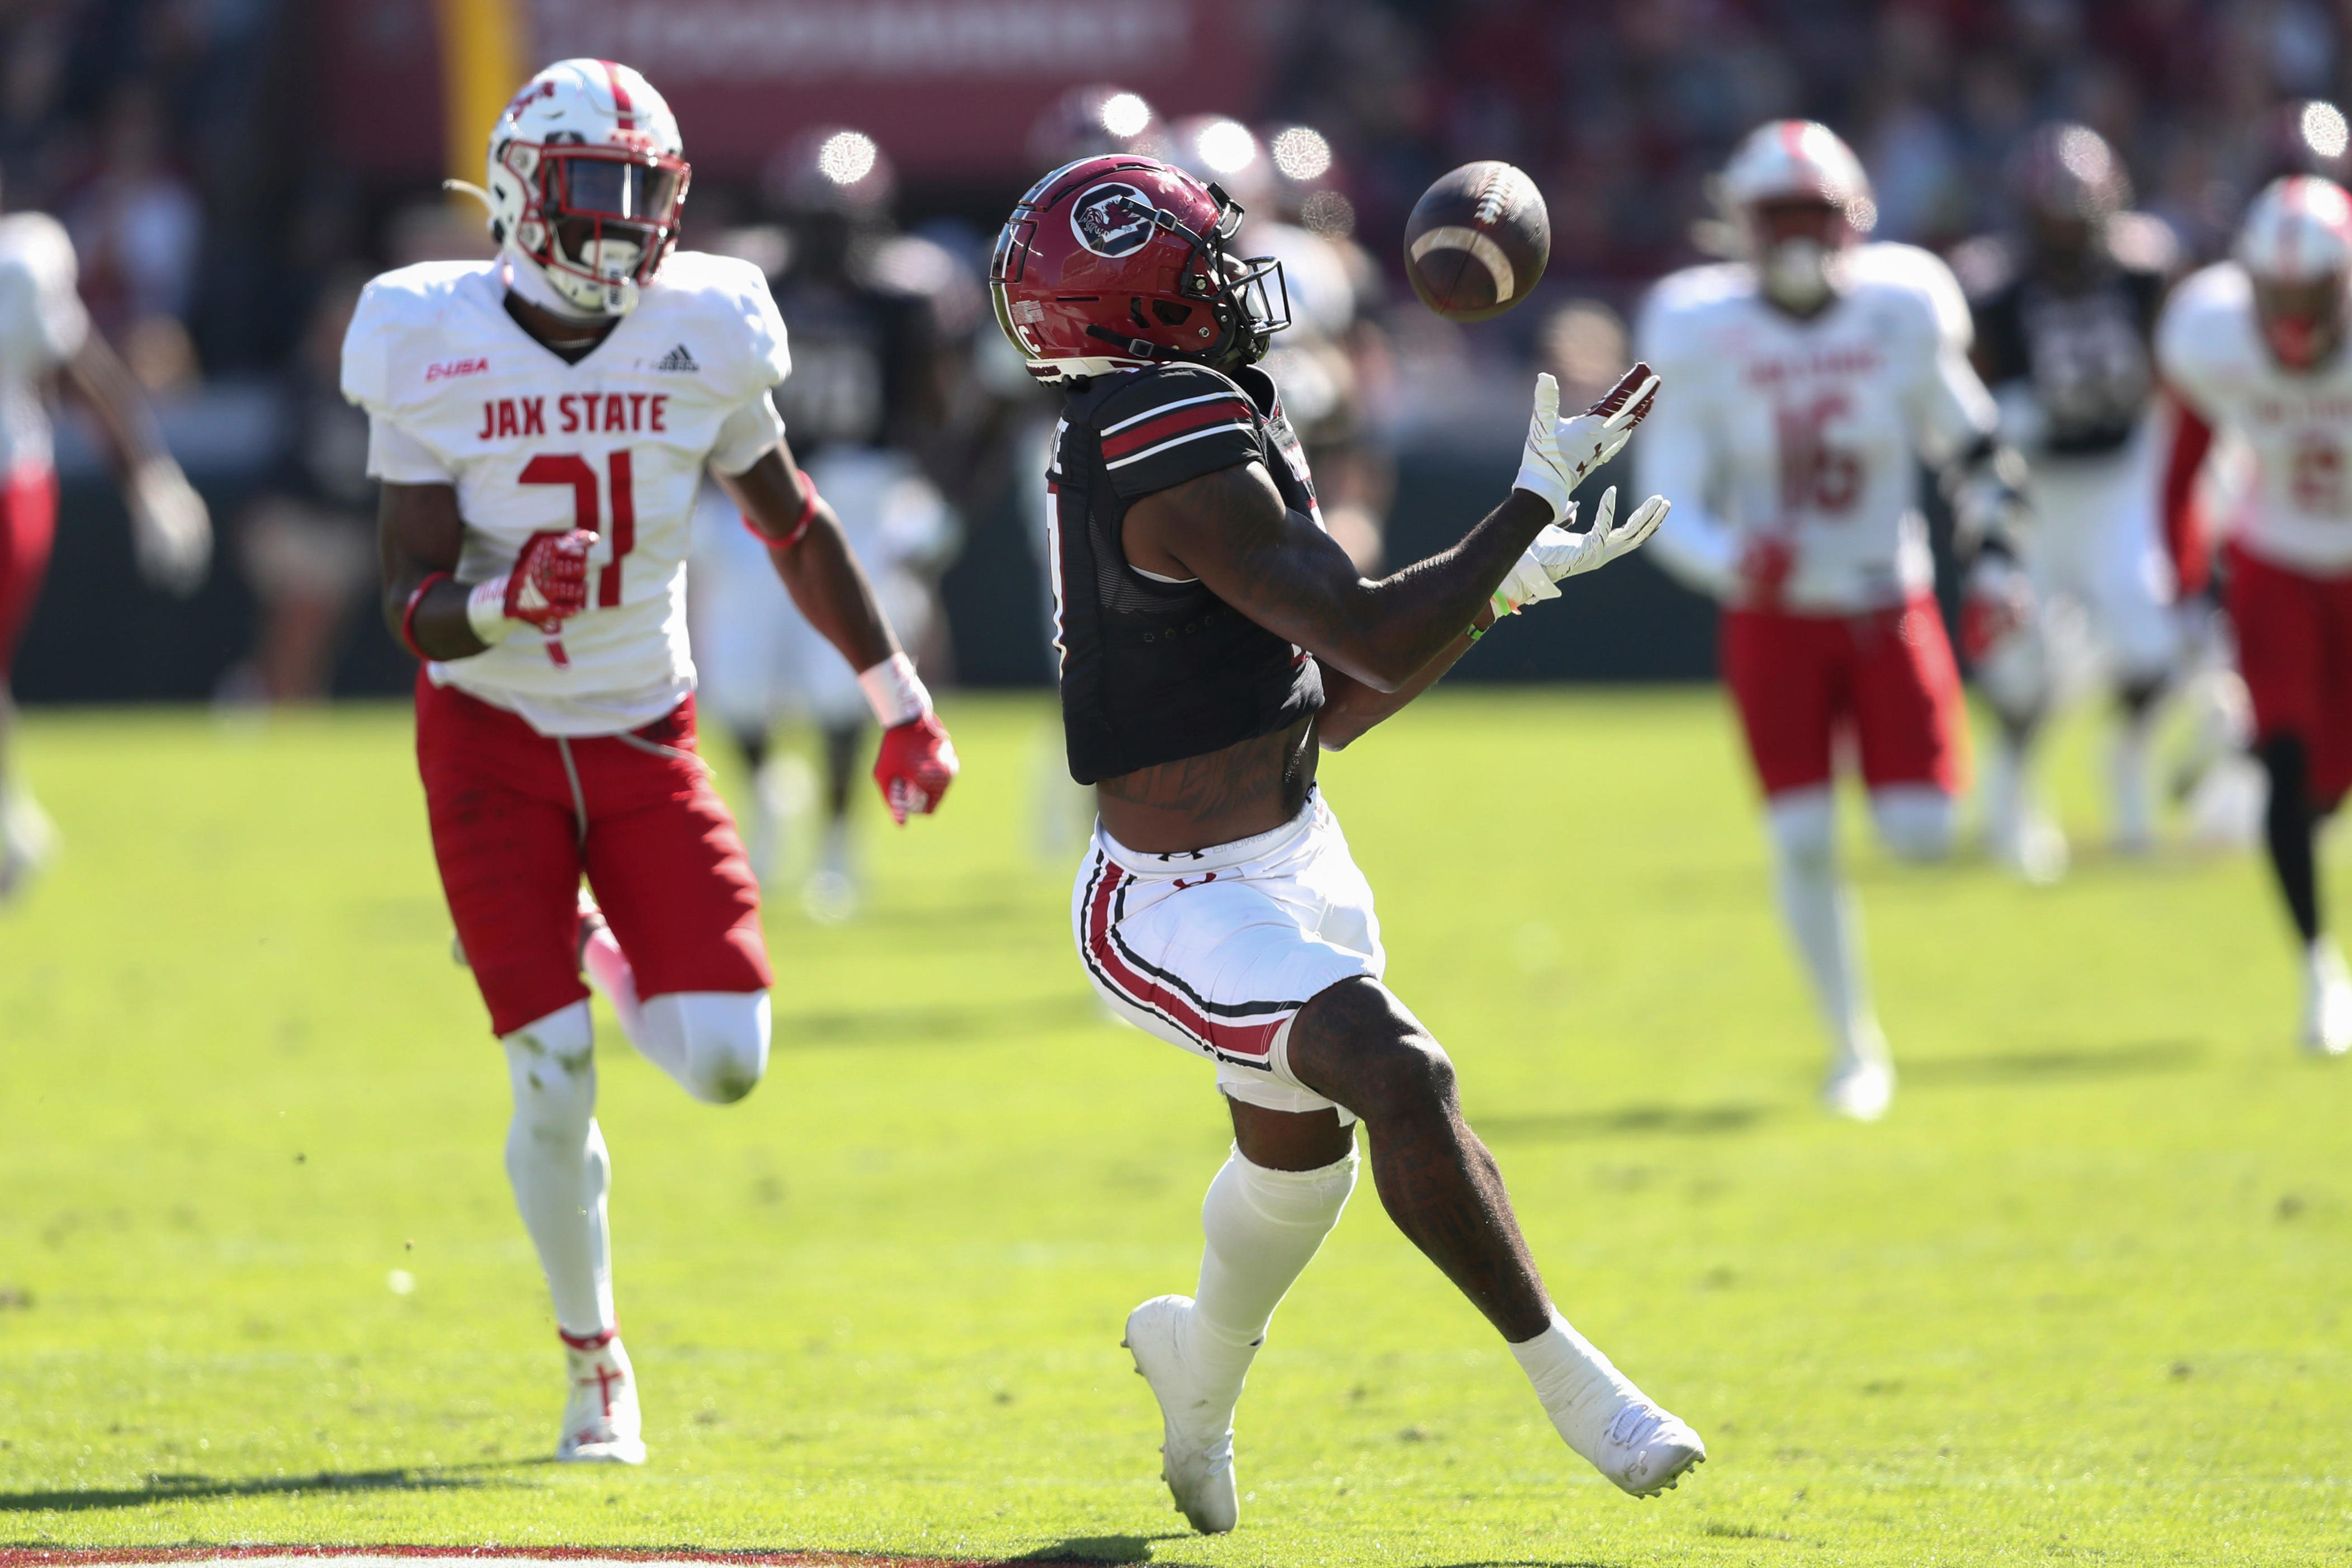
<point x="895" y="691"/>
<point x="486" y="610"/>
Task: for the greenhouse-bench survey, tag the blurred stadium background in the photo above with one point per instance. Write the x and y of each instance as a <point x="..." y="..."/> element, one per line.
<point x="229" y="169"/>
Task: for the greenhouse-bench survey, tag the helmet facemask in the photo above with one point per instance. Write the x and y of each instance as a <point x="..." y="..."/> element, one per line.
<point x="1245" y="297"/>
<point x="597" y="221"/>
<point x="2303" y="320"/>
<point x="1799" y="244"/>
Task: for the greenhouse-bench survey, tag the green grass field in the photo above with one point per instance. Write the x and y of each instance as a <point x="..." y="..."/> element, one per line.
<point x="2081" y="1296"/>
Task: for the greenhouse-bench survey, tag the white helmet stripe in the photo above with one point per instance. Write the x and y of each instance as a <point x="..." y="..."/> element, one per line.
<point x="2298" y="230"/>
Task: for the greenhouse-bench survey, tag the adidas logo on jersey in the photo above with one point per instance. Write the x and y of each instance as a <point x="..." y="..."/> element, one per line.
<point x="676" y="359"/>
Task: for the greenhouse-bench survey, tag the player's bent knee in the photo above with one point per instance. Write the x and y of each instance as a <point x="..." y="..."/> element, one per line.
<point x="1356" y="1044"/>
<point x="1804" y="826"/>
<point x="727" y="1036"/>
<point x="1916" y="822"/>
<point x="551" y="1063"/>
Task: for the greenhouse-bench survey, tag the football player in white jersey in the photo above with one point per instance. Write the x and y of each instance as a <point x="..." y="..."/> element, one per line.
<point x="46" y="335"/>
<point x="2255" y="346"/>
<point x="1803" y="386"/>
<point x="541" y="424"/>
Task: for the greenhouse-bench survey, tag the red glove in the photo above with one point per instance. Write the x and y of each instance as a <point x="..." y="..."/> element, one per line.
<point x="1996" y="604"/>
<point x="548" y="585"/>
<point x="917" y="764"/>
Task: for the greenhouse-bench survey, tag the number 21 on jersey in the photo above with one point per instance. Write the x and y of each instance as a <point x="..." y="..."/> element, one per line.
<point x="571" y="468"/>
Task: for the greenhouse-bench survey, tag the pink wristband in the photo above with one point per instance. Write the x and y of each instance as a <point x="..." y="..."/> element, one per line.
<point x="808" y="515"/>
<point x="408" y="612"/>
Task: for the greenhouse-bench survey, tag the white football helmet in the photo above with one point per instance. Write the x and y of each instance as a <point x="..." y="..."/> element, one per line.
<point x="2299" y="230"/>
<point x="1796" y="161"/>
<point x="586" y="179"/>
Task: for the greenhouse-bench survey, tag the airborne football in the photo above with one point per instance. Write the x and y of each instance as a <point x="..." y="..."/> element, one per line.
<point x="1476" y="243"/>
<point x="1042" y="782"/>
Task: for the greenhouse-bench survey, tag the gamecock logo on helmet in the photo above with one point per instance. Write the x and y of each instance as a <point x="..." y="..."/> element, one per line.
<point x="1112" y="220"/>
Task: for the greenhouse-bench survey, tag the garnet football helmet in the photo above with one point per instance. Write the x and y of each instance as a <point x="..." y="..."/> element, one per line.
<point x="1116" y="262"/>
<point x="586" y="178"/>
<point x="2067" y="174"/>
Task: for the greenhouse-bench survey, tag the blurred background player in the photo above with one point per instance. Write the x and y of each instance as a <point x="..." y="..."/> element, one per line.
<point x="1803" y="385"/>
<point x="2255" y="347"/>
<point x="865" y="407"/>
<point x="307" y="543"/>
<point x="1280" y="180"/>
<point x="2065" y="314"/>
<point x="541" y="423"/>
<point x="46" y="335"/>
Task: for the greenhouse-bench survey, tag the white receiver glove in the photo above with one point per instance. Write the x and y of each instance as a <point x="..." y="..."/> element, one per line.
<point x="171" y="532"/>
<point x="1562" y="454"/>
<point x="1556" y="554"/>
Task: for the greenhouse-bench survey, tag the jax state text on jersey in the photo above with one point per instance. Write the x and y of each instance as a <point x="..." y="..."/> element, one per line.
<point x="458" y="395"/>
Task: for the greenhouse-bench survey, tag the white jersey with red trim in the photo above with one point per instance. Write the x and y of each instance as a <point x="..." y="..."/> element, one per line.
<point x="2297" y="427"/>
<point x="1810" y="432"/>
<point x="457" y="394"/>
<point x="42" y="325"/>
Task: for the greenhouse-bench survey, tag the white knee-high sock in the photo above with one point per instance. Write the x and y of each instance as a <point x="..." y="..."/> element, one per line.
<point x="556" y="1159"/>
<point x="1820" y="912"/>
<point x="719" y="1037"/>
<point x="1263" y="1228"/>
<point x="1581" y="1390"/>
<point x="712" y="1043"/>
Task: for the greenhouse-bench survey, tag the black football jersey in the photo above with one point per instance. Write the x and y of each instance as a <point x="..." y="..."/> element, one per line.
<point x="2084" y="354"/>
<point x="1153" y="670"/>
<point x="857" y="355"/>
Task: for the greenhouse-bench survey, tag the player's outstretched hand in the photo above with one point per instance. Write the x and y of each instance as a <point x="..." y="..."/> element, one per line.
<point x="548" y="585"/>
<point x="171" y="530"/>
<point x="1998" y="612"/>
<point x="1556" y="554"/>
<point x="1561" y="454"/>
<point x="917" y="764"/>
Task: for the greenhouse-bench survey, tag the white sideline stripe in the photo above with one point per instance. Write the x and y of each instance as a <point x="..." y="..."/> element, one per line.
<point x="1454" y="236"/>
<point x="1166" y="408"/>
<point x="1177" y="441"/>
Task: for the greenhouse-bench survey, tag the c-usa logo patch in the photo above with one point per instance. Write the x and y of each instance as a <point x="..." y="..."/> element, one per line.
<point x="1112" y="220"/>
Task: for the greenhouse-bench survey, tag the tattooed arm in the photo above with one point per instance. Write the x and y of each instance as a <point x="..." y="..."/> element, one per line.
<point x="1231" y="531"/>
<point x="1350" y="707"/>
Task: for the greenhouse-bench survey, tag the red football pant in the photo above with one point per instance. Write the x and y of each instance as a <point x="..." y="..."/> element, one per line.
<point x="514" y="828"/>
<point x="28" y="524"/>
<point x="1887" y="678"/>
<point x="2294" y="648"/>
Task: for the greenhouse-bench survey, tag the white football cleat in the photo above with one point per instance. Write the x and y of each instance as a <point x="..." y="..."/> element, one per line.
<point x="1647" y="1450"/>
<point x="1859" y="1088"/>
<point x="601" y="1421"/>
<point x="1196" y="1449"/>
<point x="2326" y="1000"/>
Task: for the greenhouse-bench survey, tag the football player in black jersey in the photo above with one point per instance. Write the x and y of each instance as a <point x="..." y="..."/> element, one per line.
<point x="865" y="404"/>
<point x="1213" y="637"/>
<point x="2064" y="313"/>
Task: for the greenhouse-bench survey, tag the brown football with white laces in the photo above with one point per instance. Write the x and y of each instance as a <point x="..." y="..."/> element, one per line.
<point x="1478" y="241"/>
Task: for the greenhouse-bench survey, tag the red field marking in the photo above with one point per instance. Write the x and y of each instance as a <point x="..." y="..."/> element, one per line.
<point x="73" y="1557"/>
